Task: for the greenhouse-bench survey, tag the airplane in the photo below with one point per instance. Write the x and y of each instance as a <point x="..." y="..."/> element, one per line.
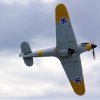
<point x="67" y="50"/>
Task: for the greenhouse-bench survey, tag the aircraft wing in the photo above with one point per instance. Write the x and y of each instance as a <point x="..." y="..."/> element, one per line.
<point x="65" y="37"/>
<point x="73" y="70"/>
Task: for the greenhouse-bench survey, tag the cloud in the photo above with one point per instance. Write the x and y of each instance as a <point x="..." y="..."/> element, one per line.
<point x="48" y="1"/>
<point x="23" y="23"/>
<point x="26" y="23"/>
<point x="21" y="81"/>
<point x="45" y="80"/>
<point x="9" y="2"/>
<point x="85" y="20"/>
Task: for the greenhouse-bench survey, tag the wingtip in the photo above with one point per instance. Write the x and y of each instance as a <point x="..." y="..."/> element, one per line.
<point x="61" y="11"/>
<point x="60" y="4"/>
<point x="79" y="89"/>
<point x="80" y="94"/>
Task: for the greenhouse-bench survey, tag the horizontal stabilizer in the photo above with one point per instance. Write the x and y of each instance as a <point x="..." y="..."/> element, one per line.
<point x="25" y="49"/>
<point x="28" y="61"/>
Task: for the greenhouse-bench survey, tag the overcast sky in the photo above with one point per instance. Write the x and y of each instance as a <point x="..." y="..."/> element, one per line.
<point x="34" y="21"/>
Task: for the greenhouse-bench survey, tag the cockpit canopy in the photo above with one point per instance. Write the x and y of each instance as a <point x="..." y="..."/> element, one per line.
<point x="84" y="44"/>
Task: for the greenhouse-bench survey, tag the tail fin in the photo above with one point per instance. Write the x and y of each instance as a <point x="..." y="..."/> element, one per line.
<point x="25" y="49"/>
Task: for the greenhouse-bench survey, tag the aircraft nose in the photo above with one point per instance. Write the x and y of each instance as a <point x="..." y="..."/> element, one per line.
<point x="94" y="46"/>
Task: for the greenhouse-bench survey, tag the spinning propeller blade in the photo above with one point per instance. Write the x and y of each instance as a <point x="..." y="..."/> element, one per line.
<point x="93" y="54"/>
<point x="93" y="47"/>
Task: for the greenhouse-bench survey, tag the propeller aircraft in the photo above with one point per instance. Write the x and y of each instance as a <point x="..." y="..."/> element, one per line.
<point x="67" y="50"/>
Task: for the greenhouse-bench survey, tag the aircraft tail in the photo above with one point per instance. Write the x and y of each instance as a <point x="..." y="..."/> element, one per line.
<point x="25" y="49"/>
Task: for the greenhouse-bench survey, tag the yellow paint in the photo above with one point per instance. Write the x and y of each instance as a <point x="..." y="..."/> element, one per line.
<point x="40" y="53"/>
<point x="79" y="89"/>
<point x="88" y="47"/>
<point x="61" y="11"/>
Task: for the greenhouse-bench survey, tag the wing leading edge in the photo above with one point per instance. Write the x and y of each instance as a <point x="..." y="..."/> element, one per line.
<point x="73" y="70"/>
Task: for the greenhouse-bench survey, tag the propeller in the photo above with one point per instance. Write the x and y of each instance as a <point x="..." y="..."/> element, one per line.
<point x="93" y="47"/>
<point x="93" y="54"/>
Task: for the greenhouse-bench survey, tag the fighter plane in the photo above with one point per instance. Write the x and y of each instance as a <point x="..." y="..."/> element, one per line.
<point x="67" y="50"/>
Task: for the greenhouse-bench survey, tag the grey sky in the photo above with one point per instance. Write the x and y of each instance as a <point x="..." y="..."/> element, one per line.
<point x="34" y="21"/>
